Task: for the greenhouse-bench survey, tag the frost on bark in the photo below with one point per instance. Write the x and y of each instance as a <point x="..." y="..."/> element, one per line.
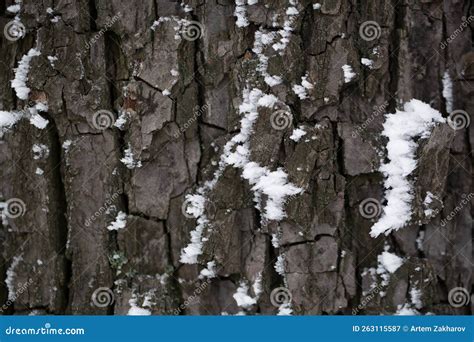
<point x="107" y="208"/>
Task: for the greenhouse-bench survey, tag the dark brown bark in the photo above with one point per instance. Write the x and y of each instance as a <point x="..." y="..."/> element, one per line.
<point x="110" y="59"/>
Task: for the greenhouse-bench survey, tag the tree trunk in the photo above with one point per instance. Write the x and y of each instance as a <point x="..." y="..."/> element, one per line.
<point x="147" y="103"/>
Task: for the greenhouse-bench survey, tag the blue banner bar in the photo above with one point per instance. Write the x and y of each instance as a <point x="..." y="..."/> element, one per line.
<point x="237" y="328"/>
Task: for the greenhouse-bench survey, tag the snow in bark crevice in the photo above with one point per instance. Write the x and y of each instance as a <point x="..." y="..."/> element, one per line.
<point x="21" y="74"/>
<point x="403" y="129"/>
<point x="273" y="184"/>
<point x="19" y="84"/>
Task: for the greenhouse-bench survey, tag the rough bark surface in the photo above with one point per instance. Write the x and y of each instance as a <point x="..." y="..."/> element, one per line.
<point x="109" y="58"/>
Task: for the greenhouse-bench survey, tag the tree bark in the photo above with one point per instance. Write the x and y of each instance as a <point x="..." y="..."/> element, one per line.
<point x="180" y="98"/>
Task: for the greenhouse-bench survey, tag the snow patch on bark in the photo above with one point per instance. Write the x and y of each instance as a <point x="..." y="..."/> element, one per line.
<point x="349" y="74"/>
<point x="209" y="272"/>
<point x="428" y="211"/>
<point x="40" y="151"/>
<point x="284" y="310"/>
<point x="119" y="223"/>
<point x="288" y="27"/>
<point x="448" y="91"/>
<point x="21" y="74"/>
<point x="36" y="119"/>
<point x="10" y="279"/>
<point x="186" y="8"/>
<point x="257" y="285"/>
<point x="297" y="134"/>
<point x="389" y="261"/>
<point x="415" y="295"/>
<point x="302" y="90"/>
<point x="190" y="254"/>
<point x="280" y="265"/>
<point x="406" y="310"/>
<point x="135" y="310"/>
<point x="129" y="159"/>
<point x="419" y="240"/>
<point x="273" y="184"/>
<point x="402" y="129"/>
<point x="242" y="297"/>
<point x="8" y="119"/>
<point x="367" y="62"/>
<point x="262" y="40"/>
<point x="14" y="8"/>
<point x="121" y="120"/>
<point x="241" y="14"/>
